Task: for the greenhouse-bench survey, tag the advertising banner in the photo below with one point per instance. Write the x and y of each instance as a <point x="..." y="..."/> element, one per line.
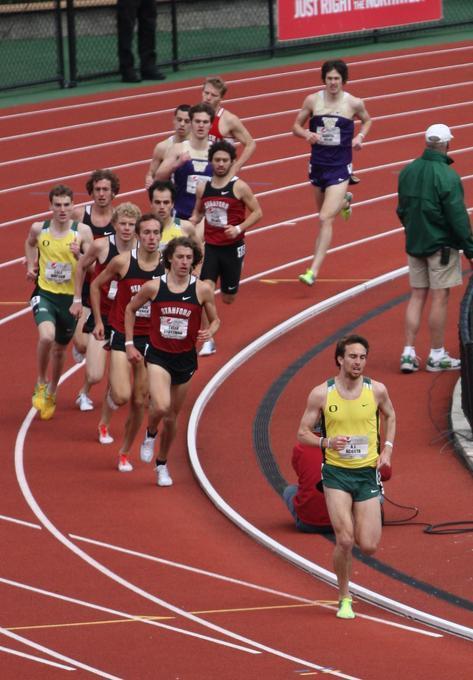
<point x="312" y="18"/>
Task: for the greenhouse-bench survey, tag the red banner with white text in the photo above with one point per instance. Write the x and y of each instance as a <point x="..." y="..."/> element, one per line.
<point x="312" y="18"/>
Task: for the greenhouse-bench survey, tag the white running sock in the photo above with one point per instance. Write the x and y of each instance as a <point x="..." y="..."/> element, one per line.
<point x="437" y="354"/>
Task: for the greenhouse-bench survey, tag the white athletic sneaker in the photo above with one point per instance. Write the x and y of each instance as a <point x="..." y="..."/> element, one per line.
<point x="409" y="363"/>
<point x="147" y="448"/>
<point x="84" y="402"/>
<point x="124" y="464"/>
<point x="164" y="478"/>
<point x="208" y="348"/>
<point x="445" y="363"/>
<point x="76" y="355"/>
<point x="104" y="435"/>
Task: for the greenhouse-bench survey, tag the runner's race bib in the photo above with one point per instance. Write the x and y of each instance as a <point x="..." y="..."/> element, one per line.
<point x="216" y="217"/>
<point x="144" y="311"/>
<point x="356" y="448"/>
<point x="112" y="290"/>
<point x="193" y="181"/>
<point x="329" y="136"/>
<point x="58" y="272"/>
<point x="172" y="328"/>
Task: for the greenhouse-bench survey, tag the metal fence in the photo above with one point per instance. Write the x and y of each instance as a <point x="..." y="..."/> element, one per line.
<point x="68" y="41"/>
<point x="31" y="45"/>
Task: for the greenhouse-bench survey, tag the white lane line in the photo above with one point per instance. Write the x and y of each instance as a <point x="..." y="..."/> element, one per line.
<point x="38" y="659"/>
<point x="301" y="260"/>
<point x="22" y="522"/>
<point x="158" y="134"/>
<point x="317" y="570"/>
<point x="110" y="100"/>
<point x="10" y="262"/>
<point x="133" y="192"/>
<point x="285" y="265"/>
<point x="245" y="584"/>
<point x="46" y="522"/>
<point x="369" y="142"/>
<point x="285" y="223"/>
<point x="251" y="166"/>
<point x="56" y="655"/>
<point x="12" y="317"/>
<point x="271" y="76"/>
<point x="264" y="95"/>
<point x="336" y="249"/>
<point x="90" y="147"/>
<point x="125" y="615"/>
<point x="360" y="242"/>
<point x="405" y="112"/>
<point x="184" y="567"/>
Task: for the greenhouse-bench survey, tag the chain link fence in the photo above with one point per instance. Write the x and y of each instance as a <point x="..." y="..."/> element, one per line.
<point x="31" y="44"/>
<point x="67" y="41"/>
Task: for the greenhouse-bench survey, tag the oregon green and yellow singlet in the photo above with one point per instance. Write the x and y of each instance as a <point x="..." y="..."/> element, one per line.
<point x="57" y="263"/>
<point x="174" y="230"/>
<point x="357" y="419"/>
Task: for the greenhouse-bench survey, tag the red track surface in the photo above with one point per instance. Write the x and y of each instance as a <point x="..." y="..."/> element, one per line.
<point x="73" y="479"/>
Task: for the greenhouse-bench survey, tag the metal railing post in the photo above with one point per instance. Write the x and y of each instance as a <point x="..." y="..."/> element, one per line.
<point x="71" y="43"/>
<point x="59" y="44"/>
<point x="272" y="28"/>
<point x="175" y="39"/>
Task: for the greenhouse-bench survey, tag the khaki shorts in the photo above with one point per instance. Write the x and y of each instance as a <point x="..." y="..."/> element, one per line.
<point x="427" y="272"/>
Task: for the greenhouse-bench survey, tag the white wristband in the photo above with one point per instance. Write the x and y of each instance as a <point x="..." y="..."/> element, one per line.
<point x="128" y="343"/>
<point x="360" y="134"/>
<point x="238" y="228"/>
<point x="386" y="443"/>
<point x="77" y="300"/>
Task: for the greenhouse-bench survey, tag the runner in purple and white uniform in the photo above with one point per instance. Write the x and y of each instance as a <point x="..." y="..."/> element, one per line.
<point x="331" y="113"/>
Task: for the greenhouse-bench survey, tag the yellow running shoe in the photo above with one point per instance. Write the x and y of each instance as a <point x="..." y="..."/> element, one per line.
<point x="39" y="396"/>
<point x="308" y="278"/>
<point x="344" y="609"/>
<point x="346" y="211"/>
<point x="49" y="406"/>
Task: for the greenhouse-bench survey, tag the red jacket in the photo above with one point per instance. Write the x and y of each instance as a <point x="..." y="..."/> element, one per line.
<point x="309" y="502"/>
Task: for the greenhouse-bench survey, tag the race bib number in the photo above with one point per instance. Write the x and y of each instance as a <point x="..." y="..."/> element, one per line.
<point x="112" y="290"/>
<point x="193" y="181"/>
<point x="329" y="136"/>
<point x="172" y="328"/>
<point x="217" y="216"/>
<point x="241" y="251"/>
<point x="145" y="311"/>
<point x="58" y="272"/>
<point x="356" y="448"/>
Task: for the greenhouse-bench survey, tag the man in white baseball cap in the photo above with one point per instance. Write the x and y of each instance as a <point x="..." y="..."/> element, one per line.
<point x="432" y="210"/>
<point x="438" y="133"/>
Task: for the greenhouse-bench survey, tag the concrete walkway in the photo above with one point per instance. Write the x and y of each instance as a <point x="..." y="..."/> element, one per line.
<point x="461" y="430"/>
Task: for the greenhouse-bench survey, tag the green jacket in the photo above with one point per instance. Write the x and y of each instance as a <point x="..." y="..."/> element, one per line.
<point x="431" y="206"/>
